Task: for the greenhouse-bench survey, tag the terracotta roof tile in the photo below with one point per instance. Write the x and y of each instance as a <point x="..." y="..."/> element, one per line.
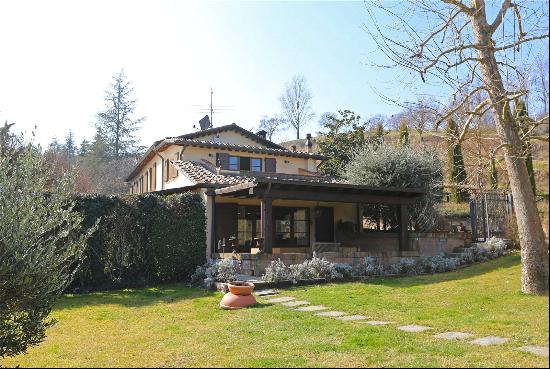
<point x="200" y="172"/>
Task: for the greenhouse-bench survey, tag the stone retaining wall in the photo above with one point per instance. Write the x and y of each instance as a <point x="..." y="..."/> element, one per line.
<point x="382" y="246"/>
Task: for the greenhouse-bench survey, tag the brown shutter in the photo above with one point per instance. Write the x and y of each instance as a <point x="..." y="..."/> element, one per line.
<point x="270" y="165"/>
<point x="222" y="160"/>
<point x="154" y="178"/>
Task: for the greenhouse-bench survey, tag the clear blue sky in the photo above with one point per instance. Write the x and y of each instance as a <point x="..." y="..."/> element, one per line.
<point x="59" y="56"/>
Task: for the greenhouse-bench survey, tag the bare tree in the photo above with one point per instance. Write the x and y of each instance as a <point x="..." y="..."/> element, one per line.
<point x="456" y="46"/>
<point x="295" y="103"/>
<point x="271" y="125"/>
<point x="540" y="82"/>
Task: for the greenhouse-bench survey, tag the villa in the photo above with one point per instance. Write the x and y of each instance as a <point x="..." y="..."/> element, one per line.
<point x="264" y="201"/>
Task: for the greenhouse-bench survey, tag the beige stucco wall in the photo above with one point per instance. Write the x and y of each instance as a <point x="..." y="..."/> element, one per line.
<point x="287" y="165"/>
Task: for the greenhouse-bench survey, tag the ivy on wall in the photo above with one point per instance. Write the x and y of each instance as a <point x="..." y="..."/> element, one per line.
<point x="141" y="240"/>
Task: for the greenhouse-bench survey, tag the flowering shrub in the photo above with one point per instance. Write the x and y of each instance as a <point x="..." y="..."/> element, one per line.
<point x="438" y="264"/>
<point x="224" y="270"/>
<point x="369" y="267"/>
<point x="314" y="268"/>
<point x="277" y="271"/>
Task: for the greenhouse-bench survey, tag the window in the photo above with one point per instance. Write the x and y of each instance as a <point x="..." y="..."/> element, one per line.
<point x="256" y="165"/>
<point x="245" y="163"/>
<point x="233" y="163"/>
<point x="291" y="226"/>
<point x="248" y="225"/>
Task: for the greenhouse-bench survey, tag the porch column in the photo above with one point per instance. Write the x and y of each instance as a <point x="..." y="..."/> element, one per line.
<point x="359" y="217"/>
<point x="211" y="219"/>
<point x="403" y="227"/>
<point x="267" y="228"/>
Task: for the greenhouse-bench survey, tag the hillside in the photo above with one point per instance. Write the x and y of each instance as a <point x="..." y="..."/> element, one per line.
<point x="476" y="155"/>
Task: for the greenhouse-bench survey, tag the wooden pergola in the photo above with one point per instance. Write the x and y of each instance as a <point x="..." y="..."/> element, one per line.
<point x="268" y="189"/>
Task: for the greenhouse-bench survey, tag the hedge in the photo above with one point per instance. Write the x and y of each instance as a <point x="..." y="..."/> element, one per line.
<point x="141" y="240"/>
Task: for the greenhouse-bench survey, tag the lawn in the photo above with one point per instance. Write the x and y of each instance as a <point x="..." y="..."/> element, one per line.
<point x="178" y="326"/>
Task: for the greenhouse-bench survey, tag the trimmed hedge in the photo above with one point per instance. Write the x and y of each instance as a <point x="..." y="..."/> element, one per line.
<point x="141" y="240"/>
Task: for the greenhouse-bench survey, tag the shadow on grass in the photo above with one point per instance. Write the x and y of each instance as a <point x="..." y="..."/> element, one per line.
<point x="505" y="262"/>
<point x="134" y="297"/>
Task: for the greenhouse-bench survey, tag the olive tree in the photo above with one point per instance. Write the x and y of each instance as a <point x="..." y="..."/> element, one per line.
<point x="390" y="166"/>
<point x="41" y="245"/>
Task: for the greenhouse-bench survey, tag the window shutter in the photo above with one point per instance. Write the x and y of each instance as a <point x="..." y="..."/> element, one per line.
<point x="154" y="178"/>
<point x="222" y="160"/>
<point x="270" y="165"/>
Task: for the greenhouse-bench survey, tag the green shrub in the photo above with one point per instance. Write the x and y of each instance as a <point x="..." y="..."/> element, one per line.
<point x="141" y="240"/>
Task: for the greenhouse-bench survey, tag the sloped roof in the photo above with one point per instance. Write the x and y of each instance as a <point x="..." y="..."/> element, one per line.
<point x="242" y="148"/>
<point x="203" y="173"/>
<point x="193" y="139"/>
<point x="236" y="128"/>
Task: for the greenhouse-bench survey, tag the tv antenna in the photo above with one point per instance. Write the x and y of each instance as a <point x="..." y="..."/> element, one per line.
<point x="211" y="107"/>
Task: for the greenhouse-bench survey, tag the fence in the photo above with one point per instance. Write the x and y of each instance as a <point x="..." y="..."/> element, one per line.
<point x="488" y="211"/>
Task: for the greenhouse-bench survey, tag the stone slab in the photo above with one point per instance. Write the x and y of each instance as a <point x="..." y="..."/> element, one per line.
<point x="331" y="313"/>
<point x="281" y="299"/>
<point x="453" y="335"/>
<point x="413" y="328"/>
<point x="352" y="318"/>
<point x="378" y="322"/>
<point x="311" y="308"/>
<point x="535" y="350"/>
<point x="490" y="340"/>
<point x="295" y="303"/>
<point x="266" y="293"/>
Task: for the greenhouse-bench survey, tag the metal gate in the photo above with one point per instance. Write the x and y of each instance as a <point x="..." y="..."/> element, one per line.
<point x="488" y="211"/>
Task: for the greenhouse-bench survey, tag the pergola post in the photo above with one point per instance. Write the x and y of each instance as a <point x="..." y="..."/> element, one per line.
<point x="266" y="212"/>
<point x="211" y="210"/>
<point x="403" y="227"/>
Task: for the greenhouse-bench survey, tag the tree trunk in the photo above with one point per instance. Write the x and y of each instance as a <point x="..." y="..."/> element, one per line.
<point x="534" y="252"/>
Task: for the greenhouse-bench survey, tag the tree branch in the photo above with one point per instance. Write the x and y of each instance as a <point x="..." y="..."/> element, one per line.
<point x="500" y="16"/>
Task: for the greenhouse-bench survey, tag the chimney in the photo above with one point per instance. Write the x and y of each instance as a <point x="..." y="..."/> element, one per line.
<point x="262" y="134"/>
<point x="309" y="143"/>
<point x="205" y="123"/>
<point x="294" y="148"/>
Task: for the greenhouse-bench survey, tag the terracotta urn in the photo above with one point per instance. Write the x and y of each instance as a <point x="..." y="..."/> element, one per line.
<point x="239" y="296"/>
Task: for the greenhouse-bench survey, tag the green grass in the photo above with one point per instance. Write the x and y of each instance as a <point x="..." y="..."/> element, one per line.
<point x="177" y="326"/>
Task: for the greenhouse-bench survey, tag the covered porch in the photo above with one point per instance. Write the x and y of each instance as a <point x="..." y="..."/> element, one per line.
<point x="276" y="216"/>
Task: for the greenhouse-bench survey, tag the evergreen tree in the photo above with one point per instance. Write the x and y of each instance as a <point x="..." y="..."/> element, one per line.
<point x="523" y="121"/>
<point x="116" y="123"/>
<point x="346" y="134"/>
<point x="69" y="147"/>
<point x="379" y="132"/>
<point x="493" y="176"/>
<point x="403" y="134"/>
<point x="456" y="170"/>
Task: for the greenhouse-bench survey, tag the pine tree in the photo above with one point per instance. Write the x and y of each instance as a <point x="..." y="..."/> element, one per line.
<point x="69" y="148"/>
<point x="403" y="134"/>
<point x="116" y="123"/>
<point x="456" y="170"/>
<point x="523" y="121"/>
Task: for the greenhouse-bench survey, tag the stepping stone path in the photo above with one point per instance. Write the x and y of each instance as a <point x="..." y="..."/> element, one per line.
<point x="489" y="340"/>
<point x="266" y="293"/>
<point x="295" y="303"/>
<point x="536" y="350"/>
<point x="340" y="315"/>
<point x="413" y="328"/>
<point x="378" y="322"/>
<point x="281" y="299"/>
<point x="352" y="317"/>
<point x="453" y="335"/>
<point x="331" y="313"/>
<point x="311" y="308"/>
